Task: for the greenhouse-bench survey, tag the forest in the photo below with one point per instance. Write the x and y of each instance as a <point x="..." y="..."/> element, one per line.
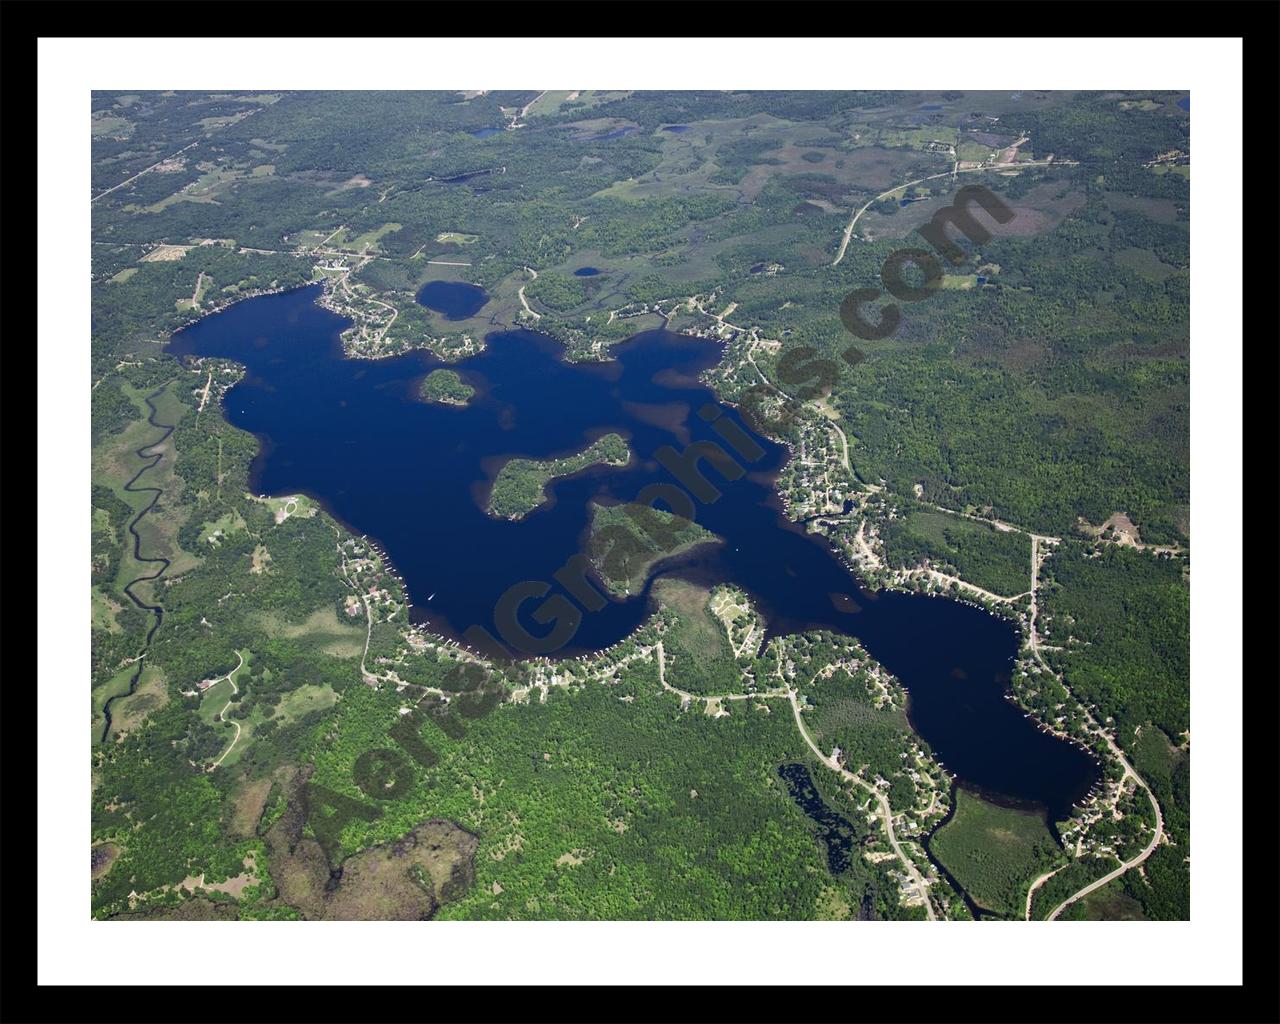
<point x="1045" y="383"/>
<point x="993" y="559"/>
<point x="626" y="541"/>
<point x="995" y="852"/>
<point x="1129" y="616"/>
<point x="446" y="387"/>
<point x="520" y="485"/>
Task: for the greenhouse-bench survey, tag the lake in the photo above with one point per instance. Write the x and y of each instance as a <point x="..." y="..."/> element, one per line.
<point x="586" y="272"/>
<point x="834" y="830"/>
<point x="414" y="476"/>
<point x="617" y="133"/>
<point x="455" y="299"/>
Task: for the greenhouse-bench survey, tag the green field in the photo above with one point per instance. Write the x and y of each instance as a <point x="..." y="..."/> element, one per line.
<point x="995" y="852"/>
<point x="993" y="559"/>
<point x="699" y="658"/>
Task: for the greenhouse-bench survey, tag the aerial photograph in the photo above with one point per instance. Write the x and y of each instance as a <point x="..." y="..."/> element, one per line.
<point x="639" y="505"/>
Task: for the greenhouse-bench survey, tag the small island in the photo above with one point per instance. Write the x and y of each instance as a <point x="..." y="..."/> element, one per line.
<point x="520" y="485"/>
<point x="628" y="540"/>
<point x="446" y="388"/>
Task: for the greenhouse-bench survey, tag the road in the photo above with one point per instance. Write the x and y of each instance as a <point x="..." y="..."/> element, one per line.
<point x="1097" y="730"/>
<point x="394" y="313"/>
<point x="515" y="118"/>
<point x="1033" y="639"/>
<point x="524" y="111"/>
<point x="294" y="252"/>
<point x="946" y="580"/>
<point x="886" y="813"/>
<point x="204" y="395"/>
<point x="1147" y="851"/>
<point x="1113" y="875"/>
<point x="195" y="292"/>
<point x="235" y="690"/>
<point x="122" y="184"/>
<point x="1036" y="885"/>
<point x="872" y="558"/>
<point x="126" y="181"/>
<point x="367" y="677"/>
<point x="523" y="301"/>
<point x="882" y="802"/>
<point x="844" y="441"/>
<point x="751" y="358"/>
<point x="688" y="698"/>
<point x="720" y="319"/>
<point x="848" y="231"/>
<point x="864" y="549"/>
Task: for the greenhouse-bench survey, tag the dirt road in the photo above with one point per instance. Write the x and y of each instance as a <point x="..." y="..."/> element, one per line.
<point x="523" y="301"/>
<point x="1036" y="885"/>
<point x="235" y="690"/>
<point x="848" y="231"/>
<point x="1033" y="642"/>
<point x="126" y="181"/>
<point x="886" y="813"/>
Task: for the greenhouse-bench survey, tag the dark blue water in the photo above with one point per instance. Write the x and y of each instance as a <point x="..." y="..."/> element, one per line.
<point x="586" y="272"/>
<point x="617" y="133"/>
<point x="455" y="299"/>
<point x="1185" y="103"/>
<point x="677" y="128"/>
<point x="908" y="202"/>
<point x="836" y="831"/>
<point x="484" y="133"/>
<point x="414" y="476"/>
<point x="934" y="106"/>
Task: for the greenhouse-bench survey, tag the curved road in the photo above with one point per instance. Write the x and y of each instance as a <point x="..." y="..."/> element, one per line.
<point x="229" y="677"/>
<point x="1036" y="885"/>
<point x="885" y="811"/>
<point x="1156" y="836"/>
<point x="1129" y="773"/>
<point x="848" y="231"/>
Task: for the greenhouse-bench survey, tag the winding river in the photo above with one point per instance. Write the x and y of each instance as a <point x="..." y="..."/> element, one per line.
<point x="151" y="459"/>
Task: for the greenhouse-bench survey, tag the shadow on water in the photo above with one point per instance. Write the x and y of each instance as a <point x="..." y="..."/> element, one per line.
<point x="836" y="832"/>
<point x="414" y="476"/>
<point x="457" y="300"/>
